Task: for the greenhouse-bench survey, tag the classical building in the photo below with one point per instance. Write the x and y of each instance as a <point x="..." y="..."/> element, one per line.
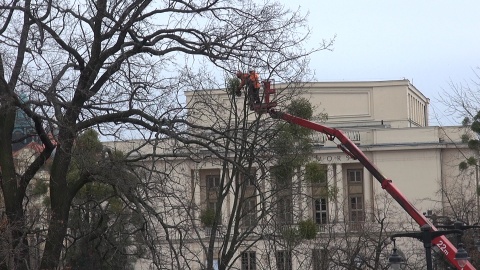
<point x="228" y="197"/>
<point x="388" y="121"/>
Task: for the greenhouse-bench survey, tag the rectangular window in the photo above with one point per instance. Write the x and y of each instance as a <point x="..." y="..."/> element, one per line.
<point x="356" y="204"/>
<point x="355" y="176"/>
<point x="319" y="259"/>
<point x="284" y="210"/>
<point x="213" y="181"/>
<point x="249" y="217"/>
<point x="320" y="211"/>
<point x="249" y="179"/>
<point x="249" y="260"/>
<point x="356" y="209"/>
<point x="211" y="213"/>
<point x="212" y="205"/>
<point x="282" y="177"/>
<point x="284" y="260"/>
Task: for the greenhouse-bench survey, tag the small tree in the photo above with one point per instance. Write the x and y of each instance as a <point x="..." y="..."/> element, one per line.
<point x="232" y="85"/>
<point x="307" y="229"/>
<point x="208" y="217"/>
<point x="292" y="143"/>
<point x="315" y="173"/>
<point x="100" y="222"/>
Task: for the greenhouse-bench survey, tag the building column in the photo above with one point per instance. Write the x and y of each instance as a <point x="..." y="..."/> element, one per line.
<point x="368" y="192"/>
<point x="196" y="190"/>
<point x="295" y="198"/>
<point x="265" y="195"/>
<point x="335" y="172"/>
<point x="305" y="208"/>
<point x="229" y="199"/>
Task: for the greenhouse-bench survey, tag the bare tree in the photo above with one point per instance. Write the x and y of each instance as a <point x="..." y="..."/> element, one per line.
<point x="366" y="245"/>
<point x="460" y="204"/>
<point x="114" y="66"/>
<point x="462" y="99"/>
<point x="461" y="192"/>
<point x="229" y="206"/>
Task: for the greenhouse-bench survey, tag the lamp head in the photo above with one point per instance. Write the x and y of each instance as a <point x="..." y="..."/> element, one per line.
<point x="395" y="260"/>
<point x="461" y="256"/>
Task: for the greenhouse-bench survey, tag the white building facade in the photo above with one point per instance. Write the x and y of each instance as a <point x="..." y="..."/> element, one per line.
<point x="387" y="120"/>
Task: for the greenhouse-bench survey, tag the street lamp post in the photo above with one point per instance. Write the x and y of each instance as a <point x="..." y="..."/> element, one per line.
<point x="459" y="225"/>
<point x="436" y="219"/>
<point x="462" y="256"/>
<point x="426" y="235"/>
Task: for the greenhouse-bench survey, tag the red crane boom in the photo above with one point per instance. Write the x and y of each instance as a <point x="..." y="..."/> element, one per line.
<point x="347" y="146"/>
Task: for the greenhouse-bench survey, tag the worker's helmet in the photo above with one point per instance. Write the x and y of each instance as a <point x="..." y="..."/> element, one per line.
<point x="251" y="71"/>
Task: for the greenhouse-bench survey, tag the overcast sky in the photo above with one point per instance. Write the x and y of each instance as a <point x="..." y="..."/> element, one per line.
<point x="427" y="42"/>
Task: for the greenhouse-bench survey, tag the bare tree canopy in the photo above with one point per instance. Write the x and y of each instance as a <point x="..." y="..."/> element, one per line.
<point x="119" y="67"/>
<point x="462" y="99"/>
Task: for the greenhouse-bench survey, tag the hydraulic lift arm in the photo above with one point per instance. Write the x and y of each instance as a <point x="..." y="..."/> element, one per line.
<point x="347" y="146"/>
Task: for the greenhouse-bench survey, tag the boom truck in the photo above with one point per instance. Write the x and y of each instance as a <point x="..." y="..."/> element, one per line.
<point x="350" y="149"/>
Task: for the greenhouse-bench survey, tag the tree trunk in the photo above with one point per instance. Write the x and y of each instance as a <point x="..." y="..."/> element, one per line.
<point x="15" y="234"/>
<point x="60" y="200"/>
<point x="13" y="192"/>
<point x="57" y="230"/>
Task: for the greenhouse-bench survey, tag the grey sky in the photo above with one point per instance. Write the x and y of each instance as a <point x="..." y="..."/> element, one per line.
<point x="428" y="42"/>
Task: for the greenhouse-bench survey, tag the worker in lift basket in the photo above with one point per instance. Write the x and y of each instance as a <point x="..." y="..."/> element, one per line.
<point x="252" y="81"/>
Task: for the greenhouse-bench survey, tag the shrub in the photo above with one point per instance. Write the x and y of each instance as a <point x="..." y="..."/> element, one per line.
<point x="315" y="173"/>
<point x="208" y="217"/>
<point x="232" y="85"/>
<point x="291" y="236"/>
<point x="307" y="229"/>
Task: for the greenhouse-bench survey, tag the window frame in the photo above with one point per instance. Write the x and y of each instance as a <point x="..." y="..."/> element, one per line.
<point x="283" y="259"/>
<point x="248" y="260"/>
<point x="284" y="209"/>
<point x="212" y="181"/>
<point x="319" y="259"/>
<point x="355" y="210"/>
<point x="249" y="216"/>
<point x="320" y="216"/>
<point x="250" y="179"/>
<point x="357" y="176"/>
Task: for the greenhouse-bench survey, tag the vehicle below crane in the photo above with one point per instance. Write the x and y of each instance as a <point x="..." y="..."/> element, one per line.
<point x="349" y="148"/>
